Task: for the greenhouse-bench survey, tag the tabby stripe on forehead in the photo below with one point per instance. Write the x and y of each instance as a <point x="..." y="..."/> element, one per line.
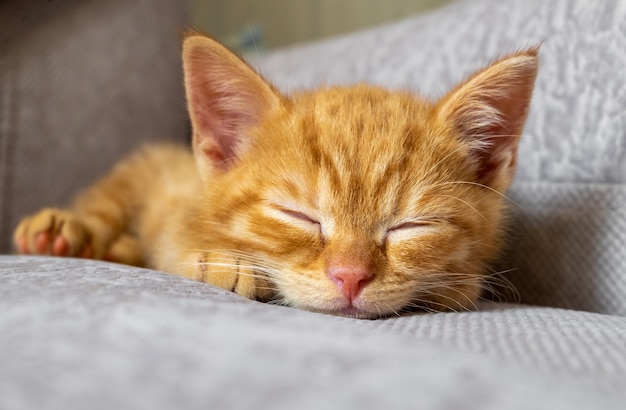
<point x="322" y="159"/>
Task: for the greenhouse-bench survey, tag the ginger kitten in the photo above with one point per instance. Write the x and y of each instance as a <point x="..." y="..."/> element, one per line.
<point x="355" y="201"/>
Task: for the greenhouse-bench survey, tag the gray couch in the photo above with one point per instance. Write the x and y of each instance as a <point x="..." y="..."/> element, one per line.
<point x="83" y="334"/>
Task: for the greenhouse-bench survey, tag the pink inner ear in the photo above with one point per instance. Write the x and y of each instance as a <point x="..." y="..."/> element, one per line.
<point x="489" y="111"/>
<point x="219" y="130"/>
<point x="498" y="142"/>
<point x="226" y="98"/>
<point x="499" y="157"/>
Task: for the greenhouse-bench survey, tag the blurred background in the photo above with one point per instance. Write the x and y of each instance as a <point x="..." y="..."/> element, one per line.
<point x="260" y="25"/>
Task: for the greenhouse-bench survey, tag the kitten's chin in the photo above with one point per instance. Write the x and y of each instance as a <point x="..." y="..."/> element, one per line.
<point x="357" y="313"/>
<point x="328" y="301"/>
<point x="358" y="310"/>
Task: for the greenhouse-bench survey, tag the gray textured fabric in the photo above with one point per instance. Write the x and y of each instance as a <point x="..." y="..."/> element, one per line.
<point x="569" y="241"/>
<point x="81" y="82"/>
<point x="575" y="138"/>
<point x="85" y="334"/>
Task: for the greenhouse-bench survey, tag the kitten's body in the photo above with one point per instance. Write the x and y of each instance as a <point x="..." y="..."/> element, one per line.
<point x="356" y="200"/>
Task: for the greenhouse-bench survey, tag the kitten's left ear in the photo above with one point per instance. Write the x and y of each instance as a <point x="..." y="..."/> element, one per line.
<point x="489" y="111"/>
<point x="226" y="98"/>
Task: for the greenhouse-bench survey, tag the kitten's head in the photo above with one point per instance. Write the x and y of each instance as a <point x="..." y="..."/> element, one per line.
<point x="356" y="200"/>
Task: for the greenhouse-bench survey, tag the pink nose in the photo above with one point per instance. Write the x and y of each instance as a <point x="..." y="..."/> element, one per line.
<point x="350" y="280"/>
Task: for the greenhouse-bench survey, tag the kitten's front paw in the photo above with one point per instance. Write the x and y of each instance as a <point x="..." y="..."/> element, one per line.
<point x="233" y="273"/>
<point x="53" y="232"/>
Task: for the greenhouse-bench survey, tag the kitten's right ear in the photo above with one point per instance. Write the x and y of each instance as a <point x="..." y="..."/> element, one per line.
<point x="226" y="98"/>
<point x="488" y="111"/>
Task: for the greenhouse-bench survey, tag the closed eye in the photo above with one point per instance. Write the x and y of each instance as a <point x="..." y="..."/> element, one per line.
<point x="408" y="229"/>
<point x="410" y="225"/>
<point x="299" y="215"/>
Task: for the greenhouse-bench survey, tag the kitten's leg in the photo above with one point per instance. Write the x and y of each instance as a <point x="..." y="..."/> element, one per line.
<point x="227" y="271"/>
<point x="100" y="220"/>
<point x="62" y="233"/>
<point x="126" y="250"/>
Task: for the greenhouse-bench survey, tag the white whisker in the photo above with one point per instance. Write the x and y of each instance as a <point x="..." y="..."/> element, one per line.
<point x="468" y="204"/>
<point x="509" y="199"/>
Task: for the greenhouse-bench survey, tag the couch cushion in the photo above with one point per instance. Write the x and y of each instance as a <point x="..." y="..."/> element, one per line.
<point x="572" y="165"/>
<point x="85" y="334"/>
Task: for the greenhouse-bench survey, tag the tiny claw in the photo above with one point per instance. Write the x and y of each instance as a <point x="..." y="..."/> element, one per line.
<point x="60" y="247"/>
